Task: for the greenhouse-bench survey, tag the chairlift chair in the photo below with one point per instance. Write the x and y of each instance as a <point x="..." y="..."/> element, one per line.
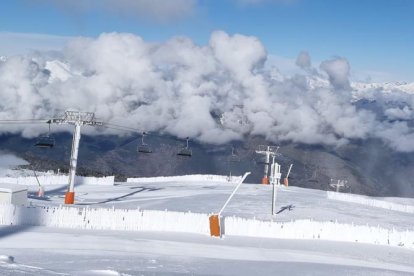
<point x="144" y="148"/>
<point x="46" y="141"/>
<point x="185" y="151"/>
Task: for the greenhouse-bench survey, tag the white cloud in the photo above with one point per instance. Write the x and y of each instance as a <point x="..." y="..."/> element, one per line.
<point x="337" y="70"/>
<point x="175" y="86"/>
<point x="284" y="66"/>
<point x="303" y="60"/>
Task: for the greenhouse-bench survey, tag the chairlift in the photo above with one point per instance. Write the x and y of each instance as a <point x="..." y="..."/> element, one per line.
<point x="46" y="141"/>
<point x="144" y="148"/>
<point x="233" y="157"/>
<point x="185" y="151"/>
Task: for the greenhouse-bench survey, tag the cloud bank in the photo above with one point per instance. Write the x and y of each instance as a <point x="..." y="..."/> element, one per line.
<point x="214" y="93"/>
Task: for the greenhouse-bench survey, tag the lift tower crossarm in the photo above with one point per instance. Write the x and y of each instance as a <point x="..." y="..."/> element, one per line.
<point x="76" y="117"/>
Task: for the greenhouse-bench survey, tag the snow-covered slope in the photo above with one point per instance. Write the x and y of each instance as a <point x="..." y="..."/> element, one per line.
<point x="385" y="86"/>
<point x="60" y="71"/>
<point x="96" y="252"/>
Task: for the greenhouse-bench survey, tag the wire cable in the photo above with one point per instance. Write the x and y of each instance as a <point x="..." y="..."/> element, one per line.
<point x="25" y="120"/>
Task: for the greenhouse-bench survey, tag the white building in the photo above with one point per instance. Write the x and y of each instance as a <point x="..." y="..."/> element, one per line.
<point x="13" y="194"/>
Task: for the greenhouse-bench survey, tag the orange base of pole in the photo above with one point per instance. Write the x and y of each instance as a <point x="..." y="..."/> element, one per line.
<point x="215" y="226"/>
<point x="41" y="192"/>
<point x="265" y="181"/>
<point x="286" y="182"/>
<point x="70" y="197"/>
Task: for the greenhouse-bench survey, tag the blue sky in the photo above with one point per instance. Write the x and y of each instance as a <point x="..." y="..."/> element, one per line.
<point x="376" y="36"/>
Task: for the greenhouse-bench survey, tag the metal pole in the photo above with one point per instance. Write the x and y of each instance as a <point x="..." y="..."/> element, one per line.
<point x="38" y="182"/>
<point x="266" y="169"/>
<point x="70" y="194"/>
<point x="274" y="200"/>
<point x="234" y="191"/>
<point x="290" y="168"/>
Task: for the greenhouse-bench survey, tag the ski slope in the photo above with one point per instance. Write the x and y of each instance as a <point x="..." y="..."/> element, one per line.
<point x="55" y="250"/>
<point x="250" y="201"/>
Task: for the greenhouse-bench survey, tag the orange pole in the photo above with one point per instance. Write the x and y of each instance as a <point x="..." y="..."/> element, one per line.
<point x="215" y="230"/>
<point x="265" y="180"/>
<point x="286" y="182"/>
<point x="70" y="197"/>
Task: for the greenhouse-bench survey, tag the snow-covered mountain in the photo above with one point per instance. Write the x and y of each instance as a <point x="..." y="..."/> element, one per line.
<point x="384" y="86"/>
<point x="59" y="71"/>
<point x="62" y="71"/>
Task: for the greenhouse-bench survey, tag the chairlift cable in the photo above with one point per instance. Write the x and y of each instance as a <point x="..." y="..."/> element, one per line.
<point x="105" y="125"/>
<point x="24" y="120"/>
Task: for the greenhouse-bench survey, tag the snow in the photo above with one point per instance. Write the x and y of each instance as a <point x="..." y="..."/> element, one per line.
<point x="160" y="227"/>
<point x="186" y="178"/>
<point x="6" y="259"/>
<point x="58" y="179"/>
<point x="7" y="172"/>
<point x="76" y="252"/>
<point x="387" y="87"/>
<point x="59" y="71"/>
<point x="168" y="221"/>
<point x="371" y="202"/>
<point x="308" y="229"/>
<point x="11" y="188"/>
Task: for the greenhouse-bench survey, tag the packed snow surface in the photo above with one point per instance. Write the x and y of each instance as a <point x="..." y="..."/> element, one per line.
<point x="157" y="251"/>
<point x="365" y="200"/>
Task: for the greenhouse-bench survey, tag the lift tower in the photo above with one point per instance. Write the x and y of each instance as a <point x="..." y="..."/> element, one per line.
<point x="267" y="151"/>
<point x="77" y="119"/>
<point x="340" y="183"/>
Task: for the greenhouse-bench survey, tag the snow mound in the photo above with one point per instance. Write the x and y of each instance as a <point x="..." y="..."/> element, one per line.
<point x="6" y="259"/>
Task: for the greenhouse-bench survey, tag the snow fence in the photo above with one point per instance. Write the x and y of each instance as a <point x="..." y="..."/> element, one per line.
<point x="370" y="202"/>
<point x="104" y="219"/>
<point x="311" y="230"/>
<point x="168" y="221"/>
<point x="58" y="180"/>
<point x="193" y="177"/>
